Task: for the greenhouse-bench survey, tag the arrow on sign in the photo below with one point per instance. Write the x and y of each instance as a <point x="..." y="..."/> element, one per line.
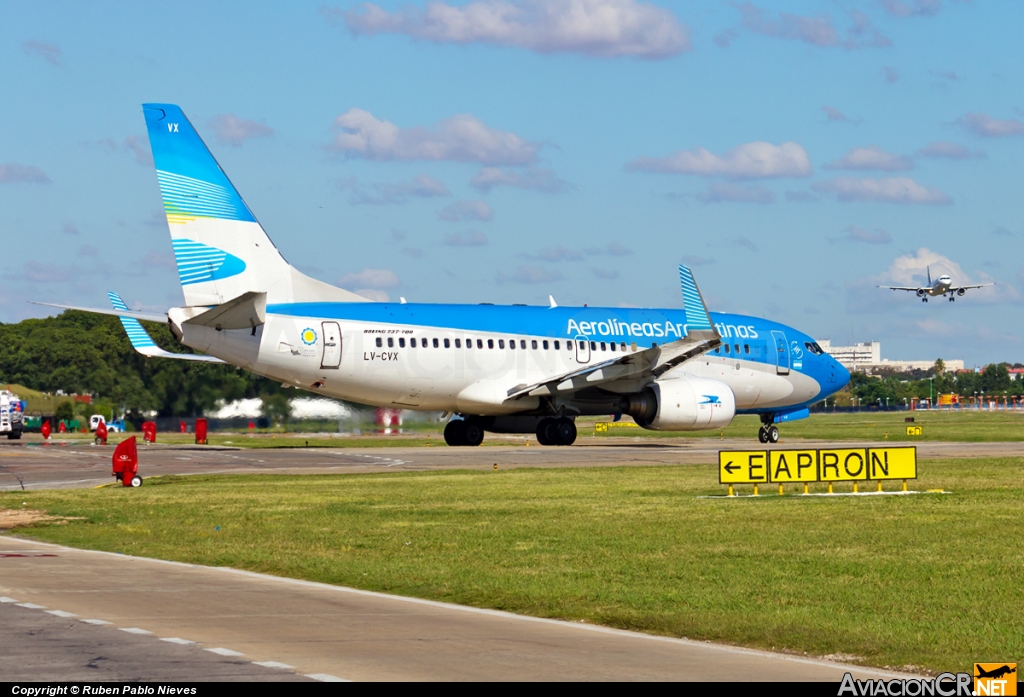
<point x="729" y="467"/>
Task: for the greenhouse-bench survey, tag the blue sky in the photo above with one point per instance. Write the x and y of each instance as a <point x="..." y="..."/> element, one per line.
<point x="795" y="154"/>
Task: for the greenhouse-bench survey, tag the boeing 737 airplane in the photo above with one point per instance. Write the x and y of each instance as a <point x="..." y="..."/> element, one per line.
<point x="943" y="285"/>
<point x="503" y="369"/>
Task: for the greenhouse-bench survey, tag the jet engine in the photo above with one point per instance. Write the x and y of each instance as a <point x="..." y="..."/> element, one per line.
<point x="921" y="292"/>
<point x="961" y="291"/>
<point x="685" y="403"/>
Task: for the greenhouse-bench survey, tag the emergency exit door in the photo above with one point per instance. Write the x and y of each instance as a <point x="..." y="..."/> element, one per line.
<point x="332" y="345"/>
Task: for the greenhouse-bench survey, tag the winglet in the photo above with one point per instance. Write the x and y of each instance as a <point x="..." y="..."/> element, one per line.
<point x="551" y="299"/>
<point x="140" y="338"/>
<point x="697" y="317"/>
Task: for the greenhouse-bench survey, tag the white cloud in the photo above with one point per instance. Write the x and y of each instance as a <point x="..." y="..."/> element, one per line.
<point x="533" y="179"/>
<point x="461" y="138"/>
<point x="949" y="151"/>
<point x="984" y="125"/>
<point x="48" y="52"/>
<point x="70" y="228"/>
<point x="370" y="278"/>
<point x="889" y="190"/>
<point x="891" y="74"/>
<point x="733" y="193"/>
<point x="872" y="157"/>
<point x="233" y="130"/>
<point x="748" y="161"/>
<point x="22" y="174"/>
<point x="530" y="274"/>
<point x="605" y="28"/>
<point x="834" y="115"/>
<point x="912" y="8"/>
<point x="375" y="294"/>
<point x="466" y="210"/>
<point x="473" y="238"/>
<point x="817" y="31"/>
<point x="801" y="196"/>
<point x="859" y="234"/>
<point x="420" y="186"/>
<point x="556" y="253"/>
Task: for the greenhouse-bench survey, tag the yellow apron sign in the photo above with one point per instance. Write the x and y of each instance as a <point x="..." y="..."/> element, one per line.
<point x="818" y="465"/>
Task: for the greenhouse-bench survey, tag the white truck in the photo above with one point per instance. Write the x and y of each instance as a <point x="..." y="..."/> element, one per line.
<point x="11" y="412"/>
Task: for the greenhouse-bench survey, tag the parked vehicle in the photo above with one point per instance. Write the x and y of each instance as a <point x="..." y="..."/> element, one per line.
<point x="12" y="410"/>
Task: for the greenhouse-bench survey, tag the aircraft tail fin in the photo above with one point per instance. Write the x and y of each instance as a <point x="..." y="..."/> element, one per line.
<point x="220" y="248"/>
<point x="929" y="268"/>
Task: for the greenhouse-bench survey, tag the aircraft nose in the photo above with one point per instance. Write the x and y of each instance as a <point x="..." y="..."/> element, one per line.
<point x="841" y="373"/>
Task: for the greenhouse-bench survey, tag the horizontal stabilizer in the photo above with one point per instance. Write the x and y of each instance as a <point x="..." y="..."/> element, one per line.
<point x="147" y="316"/>
<point x="143" y="342"/>
<point x="247" y="311"/>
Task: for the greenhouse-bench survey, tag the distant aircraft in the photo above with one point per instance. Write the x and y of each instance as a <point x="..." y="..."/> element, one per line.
<point x="503" y="369"/>
<point x="942" y="286"/>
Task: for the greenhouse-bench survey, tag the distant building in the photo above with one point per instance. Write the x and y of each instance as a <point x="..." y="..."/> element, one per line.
<point x="1016" y="373"/>
<point x="867" y="357"/>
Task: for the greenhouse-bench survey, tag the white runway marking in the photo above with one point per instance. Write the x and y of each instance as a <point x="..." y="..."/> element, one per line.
<point x="135" y="630"/>
<point x="324" y="677"/>
<point x="225" y="652"/>
<point x="96" y="622"/>
<point x="5" y="599"/>
<point x="61" y="613"/>
<point x="176" y="640"/>
<point x="273" y="664"/>
<point x="32" y="606"/>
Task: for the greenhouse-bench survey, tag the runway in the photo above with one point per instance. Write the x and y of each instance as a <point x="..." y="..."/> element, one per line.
<point x="68" y="464"/>
<point x="319" y="631"/>
<point x="168" y="621"/>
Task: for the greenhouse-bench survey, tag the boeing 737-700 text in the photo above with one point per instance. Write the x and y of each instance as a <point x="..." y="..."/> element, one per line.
<point x="505" y="369"/>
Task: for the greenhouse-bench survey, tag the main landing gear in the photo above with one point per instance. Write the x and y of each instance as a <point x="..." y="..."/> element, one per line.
<point x="768" y="433"/>
<point x="561" y="431"/>
<point x="463" y="432"/>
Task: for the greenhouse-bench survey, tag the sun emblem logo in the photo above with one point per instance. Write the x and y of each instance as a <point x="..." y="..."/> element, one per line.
<point x="308" y="336"/>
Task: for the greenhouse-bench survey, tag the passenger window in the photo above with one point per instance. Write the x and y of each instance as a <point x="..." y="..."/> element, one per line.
<point x="533" y="344"/>
<point x="746" y="348"/>
<point x="612" y="346"/>
<point x="545" y="345"/>
<point x="583" y="345"/>
<point x="522" y="344"/>
<point x="379" y="342"/>
<point x="556" y="345"/>
<point x="458" y="343"/>
<point x="391" y="342"/>
<point x="718" y="350"/>
<point x="435" y="343"/>
<point x="480" y="343"/>
<point x="736" y="348"/>
<point x="501" y="343"/>
<point x="447" y="344"/>
<point x="727" y="348"/>
<point x="469" y="343"/>
<point x="593" y="345"/>
<point x="512" y="344"/>
<point x="603" y="345"/>
<point x="401" y="343"/>
<point x="412" y="342"/>
<point x="654" y="344"/>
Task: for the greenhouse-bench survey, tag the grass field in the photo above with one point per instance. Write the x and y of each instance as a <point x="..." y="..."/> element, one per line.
<point x="938" y="426"/>
<point x="932" y="581"/>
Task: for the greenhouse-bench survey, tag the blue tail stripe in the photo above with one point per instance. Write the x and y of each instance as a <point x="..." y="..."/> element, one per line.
<point x="696" y="314"/>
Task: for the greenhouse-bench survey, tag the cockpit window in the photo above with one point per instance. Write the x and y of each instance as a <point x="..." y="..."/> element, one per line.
<point x="813" y="347"/>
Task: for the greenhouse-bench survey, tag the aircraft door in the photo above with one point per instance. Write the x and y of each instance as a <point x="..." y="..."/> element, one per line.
<point x="781" y="353"/>
<point x="332" y="345"/>
<point x="582" y="349"/>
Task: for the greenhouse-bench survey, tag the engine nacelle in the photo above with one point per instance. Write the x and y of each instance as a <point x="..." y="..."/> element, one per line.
<point x="921" y="292"/>
<point x="961" y="291"/>
<point x="685" y="403"/>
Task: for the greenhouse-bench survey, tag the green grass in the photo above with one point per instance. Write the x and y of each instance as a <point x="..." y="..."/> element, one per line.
<point x="938" y="426"/>
<point x="932" y="581"/>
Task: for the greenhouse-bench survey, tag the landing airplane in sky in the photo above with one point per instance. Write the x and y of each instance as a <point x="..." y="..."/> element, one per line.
<point x="942" y="286"/>
<point x="503" y="369"/>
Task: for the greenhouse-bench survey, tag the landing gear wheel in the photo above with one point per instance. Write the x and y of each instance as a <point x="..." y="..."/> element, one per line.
<point x="542" y="432"/>
<point x="455" y="432"/>
<point x="773" y="434"/>
<point x="565" y="432"/>
<point x="762" y="434"/>
<point x="136" y="480"/>
<point x="473" y="434"/>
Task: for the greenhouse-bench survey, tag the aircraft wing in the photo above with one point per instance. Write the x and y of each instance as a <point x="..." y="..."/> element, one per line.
<point x="701" y="336"/>
<point x="913" y="290"/>
<point x="980" y="285"/>
<point x="142" y="341"/>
